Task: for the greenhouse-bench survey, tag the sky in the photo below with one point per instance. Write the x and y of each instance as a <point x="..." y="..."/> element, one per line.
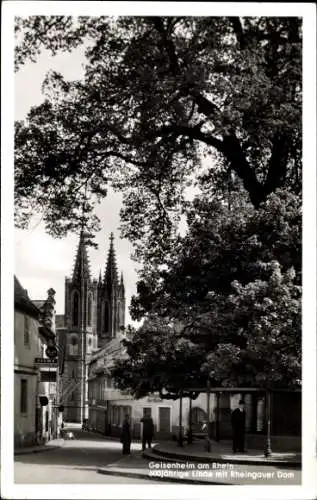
<point x="42" y="262"/>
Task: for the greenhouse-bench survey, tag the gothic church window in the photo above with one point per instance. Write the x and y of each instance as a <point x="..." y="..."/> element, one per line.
<point x="89" y="310"/>
<point x="75" y="309"/>
<point x="106" y="329"/>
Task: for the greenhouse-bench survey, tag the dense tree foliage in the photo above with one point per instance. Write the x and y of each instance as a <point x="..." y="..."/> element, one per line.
<point x="222" y="245"/>
<point x="263" y="319"/>
<point x="159" y="359"/>
<point x="234" y="284"/>
<point x="158" y="96"/>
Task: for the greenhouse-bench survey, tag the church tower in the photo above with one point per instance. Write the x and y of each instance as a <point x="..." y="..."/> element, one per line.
<point x="81" y="334"/>
<point x="111" y="299"/>
<point x="94" y="314"/>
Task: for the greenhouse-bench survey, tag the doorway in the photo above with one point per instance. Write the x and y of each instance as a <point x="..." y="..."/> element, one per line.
<point x="164" y="420"/>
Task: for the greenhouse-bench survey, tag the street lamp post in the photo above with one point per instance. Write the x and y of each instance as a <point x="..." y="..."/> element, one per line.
<point x="208" y="416"/>
<point x="190" y="430"/>
<point x="217" y="416"/>
<point x="180" y="432"/>
<point x="268" y="449"/>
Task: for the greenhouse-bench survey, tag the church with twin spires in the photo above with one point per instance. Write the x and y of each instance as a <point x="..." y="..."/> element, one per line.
<point x="94" y="315"/>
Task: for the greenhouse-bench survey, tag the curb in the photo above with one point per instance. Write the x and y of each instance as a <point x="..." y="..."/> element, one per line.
<point x="110" y="438"/>
<point x="39" y="450"/>
<point x="136" y="475"/>
<point x="170" y="456"/>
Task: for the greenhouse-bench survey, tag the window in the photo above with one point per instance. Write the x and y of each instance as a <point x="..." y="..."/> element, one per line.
<point x="26" y="331"/>
<point x="121" y="415"/>
<point x="117" y="415"/>
<point x="73" y="373"/>
<point x="103" y="391"/>
<point x="89" y="310"/>
<point x="24" y="396"/>
<point x="72" y="398"/>
<point x="147" y="412"/>
<point x="106" y="329"/>
<point x="127" y="410"/>
<point x="48" y="376"/>
<point x="73" y="348"/>
<point x="75" y="309"/>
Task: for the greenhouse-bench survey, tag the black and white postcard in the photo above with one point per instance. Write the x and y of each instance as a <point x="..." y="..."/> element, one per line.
<point x="158" y="250"/>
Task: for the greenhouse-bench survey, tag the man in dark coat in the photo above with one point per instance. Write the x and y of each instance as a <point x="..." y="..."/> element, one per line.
<point x="238" y="427"/>
<point x="126" y="436"/>
<point x="148" y="431"/>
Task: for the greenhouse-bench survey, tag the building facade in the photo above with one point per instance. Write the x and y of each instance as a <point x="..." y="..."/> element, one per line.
<point x="47" y="401"/>
<point x="34" y="373"/>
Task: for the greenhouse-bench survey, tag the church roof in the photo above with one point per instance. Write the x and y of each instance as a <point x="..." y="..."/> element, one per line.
<point x="81" y="267"/>
<point x="23" y="302"/>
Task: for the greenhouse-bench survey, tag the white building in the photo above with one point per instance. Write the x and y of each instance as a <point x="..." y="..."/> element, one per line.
<point x="34" y="374"/>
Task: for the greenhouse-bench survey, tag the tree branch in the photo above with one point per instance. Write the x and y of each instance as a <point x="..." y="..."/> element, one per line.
<point x="169" y="46"/>
<point x="128" y="159"/>
<point x="233" y="152"/>
<point x="122" y="138"/>
<point x="192" y="132"/>
<point x="277" y="164"/>
<point x="205" y="106"/>
<point x="238" y="30"/>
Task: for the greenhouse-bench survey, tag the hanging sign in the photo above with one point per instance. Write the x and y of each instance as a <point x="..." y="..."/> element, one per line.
<point x="45" y="362"/>
<point x="51" y="352"/>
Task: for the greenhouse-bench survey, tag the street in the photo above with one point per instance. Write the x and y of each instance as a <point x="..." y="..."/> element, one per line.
<point x="77" y="461"/>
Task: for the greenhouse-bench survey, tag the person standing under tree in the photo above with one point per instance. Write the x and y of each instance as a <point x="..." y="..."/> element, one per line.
<point x="238" y="427"/>
<point x="126" y="436"/>
<point x="148" y="431"/>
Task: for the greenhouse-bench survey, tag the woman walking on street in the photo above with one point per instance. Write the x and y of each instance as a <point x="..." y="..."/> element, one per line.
<point x="126" y="436"/>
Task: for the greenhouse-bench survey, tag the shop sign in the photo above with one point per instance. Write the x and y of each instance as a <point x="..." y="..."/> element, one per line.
<point x="46" y="362"/>
<point x="154" y="399"/>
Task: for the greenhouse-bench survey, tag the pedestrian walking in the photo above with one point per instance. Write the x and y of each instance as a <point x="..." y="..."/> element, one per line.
<point x="126" y="436"/>
<point x="148" y="432"/>
<point x="238" y="427"/>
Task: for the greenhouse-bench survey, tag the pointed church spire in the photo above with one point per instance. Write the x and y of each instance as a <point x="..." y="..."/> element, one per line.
<point x="81" y="267"/>
<point x="121" y="285"/>
<point x="111" y="274"/>
<point x="100" y="278"/>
